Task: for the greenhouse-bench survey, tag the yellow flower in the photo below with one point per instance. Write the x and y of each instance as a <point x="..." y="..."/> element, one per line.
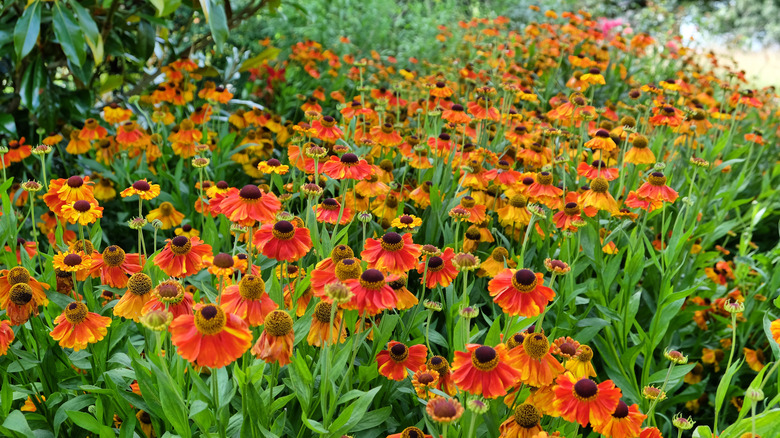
<point x="82" y="212"/>
<point x="143" y="189"/>
<point x="406" y="221"/>
<point x="167" y="214"/>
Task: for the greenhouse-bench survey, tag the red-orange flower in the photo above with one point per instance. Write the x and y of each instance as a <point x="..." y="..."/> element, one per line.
<point x="67" y="191"/>
<point x="246" y="206"/>
<point x="113" y="266"/>
<point x="533" y="358"/>
<point x="248" y="300"/>
<point x="328" y="211"/>
<point x="283" y="241"/>
<point x="211" y="337"/>
<point x="585" y="401"/>
<point x="171" y="296"/>
<point x="77" y="327"/>
<point x="440" y="270"/>
<point x="393" y="253"/>
<point x="349" y="166"/>
<point x="139" y="288"/>
<point x="394" y="362"/>
<point x="520" y="292"/>
<point x="275" y="344"/>
<point x="656" y="189"/>
<point x="182" y="256"/>
<point x="6" y="336"/>
<point x="625" y="422"/>
<point x="484" y="370"/>
<point x="371" y="293"/>
<point x="326" y="129"/>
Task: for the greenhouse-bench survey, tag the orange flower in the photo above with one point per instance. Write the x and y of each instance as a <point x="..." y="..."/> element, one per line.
<point x="349" y="166"/>
<point x="667" y="116"/>
<point x="566" y="218"/>
<point x="456" y="114"/>
<point x="625" y="422"/>
<point x="82" y="212"/>
<point x="17" y="151"/>
<point x="77" y="327"/>
<point x="406" y="299"/>
<point x="394" y="362"/>
<point x="283" y="241"/>
<point x="130" y="306"/>
<point x="20" y="275"/>
<point x="67" y="191"/>
<point x="410" y="432"/>
<point x="585" y="401"/>
<point x="328" y="212"/>
<point x="371" y="294"/>
<point x="650" y="432"/>
<point x="115" y="115"/>
<point x="77" y="145"/>
<point x="601" y="141"/>
<point x="275" y="344"/>
<point x="442" y="367"/>
<point x="393" y="253"/>
<point x="171" y="296"/>
<point x="656" y="189"/>
<point x="182" y="256"/>
<point x="143" y="189"/>
<point x="441" y="271"/>
<point x="322" y="326"/>
<point x="441" y="90"/>
<point x="246" y="206"/>
<point x="324" y="272"/>
<point x="6" y="336"/>
<point x="484" y="370"/>
<point x="73" y="262"/>
<point x="639" y="152"/>
<point x="248" y="300"/>
<point x="545" y="192"/>
<point x="597" y="169"/>
<point x="210" y="337"/>
<point x="523" y="424"/>
<point x="534" y="360"/>
<point x="326" y="129"/>
<point x="444" y="410"/>
<point x="386" y="136"/>
<point x="273" y="166"/>
<point x="520" y="292"/>
<point x="775" y="328"/>
<point x="167" y="214"/>
<point x="21" y="303"/>
<point x="92" y="130"/>
<point x="113" y="266"/>
<point x="598" y="196"/>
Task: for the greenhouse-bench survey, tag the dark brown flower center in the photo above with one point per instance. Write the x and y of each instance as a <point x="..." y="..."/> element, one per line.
<point x="586" y="388"/>
<point x="568" y="348"/>
<point x="72" y="260"/>
<point x="75" y="182"/>
<point x="250" y="191"/>
<point x="222" y="185"/>
<point x="621" y="411"/>
<point x="399" y="352"/>
<point x="223" y="260"/>
<point x="445" y="409"/>
<point x="284" y="230"/>
<point x="142" y="186"/>
<point x="349" y="158"/>
<point x="82" y="206"/>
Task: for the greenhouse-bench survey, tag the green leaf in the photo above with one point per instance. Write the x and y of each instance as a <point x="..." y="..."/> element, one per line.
<point x="90" y="30"/>
<point x="723" y="386"/>
<point x="84" y="421"/>
<point x="17" y="422"/>
<point x="7" y="124"/>
<point x="255" y="61"/>
<point x="352" y="415"/>
<point x="702" y="432"/>
<point x="74" y="404"/>
<point x="27" y="29"/>
<point x="172" y="402"/>
<point x="68" y="33"/>
<point x="214" y="10"/>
